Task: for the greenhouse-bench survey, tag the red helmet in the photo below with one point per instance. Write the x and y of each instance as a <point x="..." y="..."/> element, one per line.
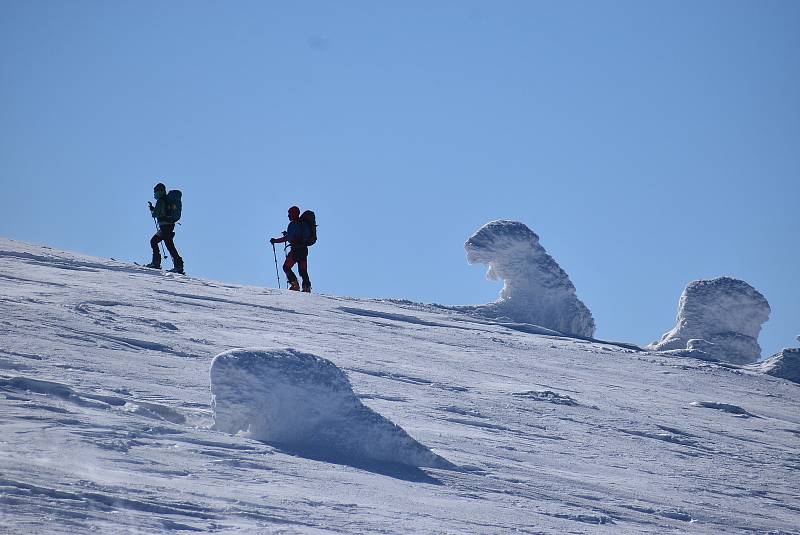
<point x="294" y="212"/>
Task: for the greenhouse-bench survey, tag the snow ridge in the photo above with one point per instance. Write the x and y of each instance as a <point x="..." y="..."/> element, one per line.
<point x="536" y="290"/>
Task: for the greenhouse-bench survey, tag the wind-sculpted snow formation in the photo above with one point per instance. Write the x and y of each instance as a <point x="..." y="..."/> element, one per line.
<point x="536" y="290"/>
<point x="720" y="318"/>
<point x="306" y="403"/>
<point x="785" y="364"/>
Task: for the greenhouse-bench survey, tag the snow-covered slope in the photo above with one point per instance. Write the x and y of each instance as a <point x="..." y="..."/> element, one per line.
<point x="107" y="423"/>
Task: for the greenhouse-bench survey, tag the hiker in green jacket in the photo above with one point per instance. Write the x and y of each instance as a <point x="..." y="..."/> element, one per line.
<point x="166" y="212"/>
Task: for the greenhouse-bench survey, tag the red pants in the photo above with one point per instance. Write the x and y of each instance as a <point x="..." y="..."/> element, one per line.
<point x="302" y="267"/>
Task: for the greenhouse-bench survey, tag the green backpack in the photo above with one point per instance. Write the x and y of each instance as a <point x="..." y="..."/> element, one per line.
<point x="174" y="205"/>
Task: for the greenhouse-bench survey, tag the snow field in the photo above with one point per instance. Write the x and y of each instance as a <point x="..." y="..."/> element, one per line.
<point x="105" y="407"/>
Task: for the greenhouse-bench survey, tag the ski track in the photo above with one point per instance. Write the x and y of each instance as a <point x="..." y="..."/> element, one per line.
<point x="107" y="425"/>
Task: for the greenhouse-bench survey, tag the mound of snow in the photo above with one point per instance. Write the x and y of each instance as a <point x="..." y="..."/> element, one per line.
<point x="785" y="365"/>
<point x="721" y="317"/>
<point x="306" y="403"/>
<point x="536" y="290"/>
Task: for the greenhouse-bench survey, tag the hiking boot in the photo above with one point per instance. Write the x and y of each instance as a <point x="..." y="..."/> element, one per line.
<point x="155" y="263"/>
<point x="307" y="289"/>
<point x="178" y="263"/>
<point x="294" y="286"/>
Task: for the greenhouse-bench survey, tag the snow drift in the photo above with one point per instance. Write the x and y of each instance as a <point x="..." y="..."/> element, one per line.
<point x="306" y="403"/>
<point x="720" y="317"/>
<point x="536" y="290"/>
<point x="785" y="364"/>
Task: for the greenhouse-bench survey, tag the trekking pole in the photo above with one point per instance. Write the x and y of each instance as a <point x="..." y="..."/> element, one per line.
<point x="277" y="275"/>
<point x="158" y="230"/>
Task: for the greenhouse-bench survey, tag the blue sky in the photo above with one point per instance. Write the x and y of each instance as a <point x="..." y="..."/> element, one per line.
<point x="647" y="143"/>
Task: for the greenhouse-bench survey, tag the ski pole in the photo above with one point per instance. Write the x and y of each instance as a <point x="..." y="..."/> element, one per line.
<point x="158" y="230"/>
<point x="277" y="275"/>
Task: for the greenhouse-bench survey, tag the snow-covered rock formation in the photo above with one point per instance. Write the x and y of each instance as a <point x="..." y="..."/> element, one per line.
<point x="536" y="289"/>
<point x="306" y="403"/>
<point x="720" y="317"/>
<point x="785" y="364"/>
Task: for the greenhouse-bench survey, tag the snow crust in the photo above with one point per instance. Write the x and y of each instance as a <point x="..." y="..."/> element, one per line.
<point x="536" y="290"/>
<point x="720" y="318"/>
<point x="299" y="400"/>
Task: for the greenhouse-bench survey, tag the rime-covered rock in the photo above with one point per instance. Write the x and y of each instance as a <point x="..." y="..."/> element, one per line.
<point x="304" y="402"/>
<point x="536" y="290"/>
<point x="721" y="317"/>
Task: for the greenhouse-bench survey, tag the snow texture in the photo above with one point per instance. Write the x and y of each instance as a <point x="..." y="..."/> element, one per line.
<point x="785" y="364"/>
<point x="721" y="318"/>
<point x="107" y="425"/>
<point x="304" y="402"/>
<point x="536" y="290"/>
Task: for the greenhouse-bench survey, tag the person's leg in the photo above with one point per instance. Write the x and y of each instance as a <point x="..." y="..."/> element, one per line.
<point x="291" y="278"/>
<point x="302" y="267"/>
<point x="167" y="234"/>
<point x="154" y="241"/>
<point x="300" y="255"/>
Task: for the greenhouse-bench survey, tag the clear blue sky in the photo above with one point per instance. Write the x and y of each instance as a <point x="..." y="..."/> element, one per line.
<point x="648" y="143"/>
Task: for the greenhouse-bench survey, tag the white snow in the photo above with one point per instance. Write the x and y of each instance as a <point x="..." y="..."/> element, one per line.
<point x="784" y="364"/>
<point x="721" y="318"/>
<point x="536" y="290"/>
<point x="305" y="403"/>
<point x="107" y="423"/>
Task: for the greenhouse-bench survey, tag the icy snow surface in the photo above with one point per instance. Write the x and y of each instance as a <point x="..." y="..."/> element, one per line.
<point x="305" y="403"/>
<point x="536" y="290"/>
<point x="107" y="423"/>
<point x="720" y="317"/>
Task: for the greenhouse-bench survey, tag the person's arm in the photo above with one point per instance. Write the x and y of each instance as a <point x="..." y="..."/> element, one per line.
<point x="285" y="238"/>
<point x="291" y="235"/>
<point x="158" y="211"/>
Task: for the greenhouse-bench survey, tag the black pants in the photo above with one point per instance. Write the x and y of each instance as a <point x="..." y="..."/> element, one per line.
<point x="299" y="255"/>
<point x="165" y="234"/>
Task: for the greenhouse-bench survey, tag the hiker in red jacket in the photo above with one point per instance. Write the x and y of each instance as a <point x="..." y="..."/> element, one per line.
<point x="298" y="234"/>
